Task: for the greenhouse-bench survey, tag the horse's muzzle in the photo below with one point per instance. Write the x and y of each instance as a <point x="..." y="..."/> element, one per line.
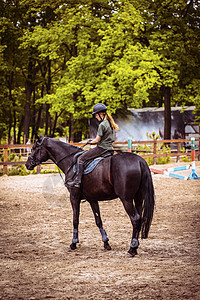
<point x="30" y="164"/>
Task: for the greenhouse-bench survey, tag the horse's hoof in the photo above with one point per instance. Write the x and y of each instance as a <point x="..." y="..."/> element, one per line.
<point x="107" y="246"/>
<point x="73" y="246"/>
<point x="132" y="251"/>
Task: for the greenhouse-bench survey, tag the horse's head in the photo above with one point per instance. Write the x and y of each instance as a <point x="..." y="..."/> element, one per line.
<point x="38" y="154"/>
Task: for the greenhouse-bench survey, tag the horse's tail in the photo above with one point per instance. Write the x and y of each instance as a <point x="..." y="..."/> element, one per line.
<point x="148" y="199"/>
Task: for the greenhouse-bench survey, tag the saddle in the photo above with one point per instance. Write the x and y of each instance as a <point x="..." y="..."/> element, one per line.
<point x="90" y="165"/>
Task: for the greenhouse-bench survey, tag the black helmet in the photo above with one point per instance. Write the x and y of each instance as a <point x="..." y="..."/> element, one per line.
<point x="99" y="107"/>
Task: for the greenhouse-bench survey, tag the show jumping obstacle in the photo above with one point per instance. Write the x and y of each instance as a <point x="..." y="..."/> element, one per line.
<point x="175" y="175"/>
<point x="129" y="145"/>
<point x="168" y="171"/>
<point x="193" y="174"/>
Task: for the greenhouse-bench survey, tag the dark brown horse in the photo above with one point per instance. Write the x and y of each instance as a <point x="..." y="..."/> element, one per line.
<point x="124" y="175"/>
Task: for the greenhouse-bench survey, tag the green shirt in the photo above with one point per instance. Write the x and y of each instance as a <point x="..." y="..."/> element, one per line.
<point x="107" y="135"/>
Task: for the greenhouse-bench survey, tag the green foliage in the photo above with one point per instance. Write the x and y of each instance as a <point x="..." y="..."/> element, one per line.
<point x="62" y="57"/>
<point x="153" y="135"/>
<point x="163" y="159"/>
<point x="149" y="160"/>
<point x="19" y="170"/>
<point x="185" y="159"/>
<point x="145" y="149"/>
<point x="22" y="171"/>
<point x="14" y="157"/>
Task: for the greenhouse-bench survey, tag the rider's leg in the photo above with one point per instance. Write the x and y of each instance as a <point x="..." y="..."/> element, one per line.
<point x="79" y="171"/>
<point x="90" y="154"/>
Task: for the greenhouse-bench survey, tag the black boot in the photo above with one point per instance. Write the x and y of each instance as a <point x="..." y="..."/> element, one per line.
<point x="77" y="181"/>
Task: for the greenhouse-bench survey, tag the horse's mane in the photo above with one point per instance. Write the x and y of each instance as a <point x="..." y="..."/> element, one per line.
<point x="66" y="146"/>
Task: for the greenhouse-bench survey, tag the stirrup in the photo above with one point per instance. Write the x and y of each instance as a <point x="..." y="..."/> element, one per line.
<point x="73" y="184"/>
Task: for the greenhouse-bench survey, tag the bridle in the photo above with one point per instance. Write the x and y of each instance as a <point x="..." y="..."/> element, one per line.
<point x="34" y="162"/>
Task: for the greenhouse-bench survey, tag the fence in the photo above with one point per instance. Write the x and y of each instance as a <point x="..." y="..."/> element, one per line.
<point x="151" y="151"/>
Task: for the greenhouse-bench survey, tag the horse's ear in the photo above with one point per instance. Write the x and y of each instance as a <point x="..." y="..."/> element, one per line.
<point x="38" y="138"/>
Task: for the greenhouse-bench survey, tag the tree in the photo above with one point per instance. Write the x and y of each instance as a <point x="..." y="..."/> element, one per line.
<point x="171" y="30"/>
<point x="124" y="69"/>
<point x="59" y="58"/>
<point x="73" y="37"/>
<point x="11" y="79"/>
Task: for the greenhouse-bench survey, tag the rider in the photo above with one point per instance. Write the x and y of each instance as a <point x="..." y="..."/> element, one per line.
<point x="104" y="140"/>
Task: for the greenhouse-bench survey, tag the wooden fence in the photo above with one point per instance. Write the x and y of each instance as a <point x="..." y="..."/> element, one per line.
<point x="152" y="150"/>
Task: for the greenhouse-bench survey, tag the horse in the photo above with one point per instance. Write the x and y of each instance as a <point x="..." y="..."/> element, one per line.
<point x="123" y="175"/>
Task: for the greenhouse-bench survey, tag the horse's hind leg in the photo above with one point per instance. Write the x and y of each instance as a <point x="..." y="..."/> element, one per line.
<point x="96" y="211"/>
<point x="135" y="220"/>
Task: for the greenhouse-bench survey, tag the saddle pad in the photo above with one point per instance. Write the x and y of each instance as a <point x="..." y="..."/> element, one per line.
<point x="90" y="167"/>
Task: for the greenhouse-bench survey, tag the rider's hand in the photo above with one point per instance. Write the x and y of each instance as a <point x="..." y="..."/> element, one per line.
<point x="89" y="141"/>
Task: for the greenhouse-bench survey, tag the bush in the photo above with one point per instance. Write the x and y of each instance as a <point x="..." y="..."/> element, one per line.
<point x="160" y="160"/>
<point x="22" y="171"/>
<point x="19" y="170"/>
<point x="13" y="157"/>
<point x="149" y="161"/>
<point x="163" y="159"/>
<point x="185" y="159"/>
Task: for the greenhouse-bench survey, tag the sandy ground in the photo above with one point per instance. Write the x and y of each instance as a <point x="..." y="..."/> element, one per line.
<point x="36" y="231"/>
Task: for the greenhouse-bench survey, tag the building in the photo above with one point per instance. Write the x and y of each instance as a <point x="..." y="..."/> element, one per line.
<point x="137" y="123"/>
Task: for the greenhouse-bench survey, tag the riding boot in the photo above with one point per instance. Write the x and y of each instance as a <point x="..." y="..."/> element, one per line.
<point x="77" y="181"/>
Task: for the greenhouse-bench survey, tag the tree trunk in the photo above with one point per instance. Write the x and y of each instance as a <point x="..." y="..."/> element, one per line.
<point x="48" y="87"/>
<point x="20" y="130"/>
<point x="167" y="113"/>
<point x="14" y="122"/>
<point x="38" y="114"/>
<point x="54" y="125"/>
<point x="160" y="101"/>
<point x="29" y="89"/>
<point x="12" y="113"/>
<point x="71" y="121"/>
<point x="10" y="127"/>
<point x="33" y="118"/>
<point x="38" y="119"/>
<point x="47" y="118"/>
<point x="71" y="128"/>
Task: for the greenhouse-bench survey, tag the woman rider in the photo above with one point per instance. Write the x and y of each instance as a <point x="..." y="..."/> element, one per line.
<point x="104" y="140"/>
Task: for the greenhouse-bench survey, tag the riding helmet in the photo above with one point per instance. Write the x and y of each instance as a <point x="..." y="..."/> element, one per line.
<point x="99" y="107"/>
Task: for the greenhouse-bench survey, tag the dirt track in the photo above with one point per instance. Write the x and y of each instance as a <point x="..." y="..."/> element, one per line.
<point x="36" y="230"/>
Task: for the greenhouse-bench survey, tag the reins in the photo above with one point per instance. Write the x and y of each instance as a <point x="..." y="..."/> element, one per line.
<point x="36" y="162"/>
<point x="68" y="155"/>
<point x="71" y="153"/>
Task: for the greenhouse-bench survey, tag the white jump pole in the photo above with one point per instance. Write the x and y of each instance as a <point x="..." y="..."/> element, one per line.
<point x="175" y="175"/>
<point x="193" y="174"/>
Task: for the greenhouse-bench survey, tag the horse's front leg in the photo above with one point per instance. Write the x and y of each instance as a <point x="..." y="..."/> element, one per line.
<point x="75" y="202"/>
<point x="96" y="211"/>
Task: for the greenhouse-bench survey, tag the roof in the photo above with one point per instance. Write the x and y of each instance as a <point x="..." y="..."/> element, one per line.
<point x="156" y="109"/>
